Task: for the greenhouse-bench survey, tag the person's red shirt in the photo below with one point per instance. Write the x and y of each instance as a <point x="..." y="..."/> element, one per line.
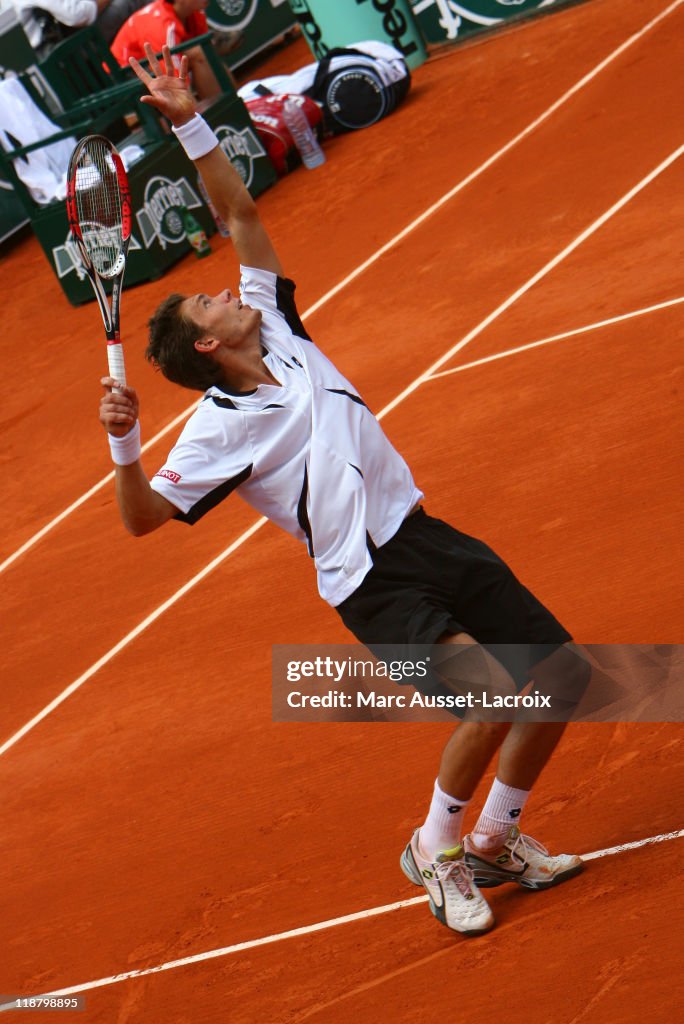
<point x="157" y="24"/>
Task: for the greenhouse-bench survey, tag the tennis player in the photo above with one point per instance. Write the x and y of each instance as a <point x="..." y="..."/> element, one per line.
<point x="281" y="425"/>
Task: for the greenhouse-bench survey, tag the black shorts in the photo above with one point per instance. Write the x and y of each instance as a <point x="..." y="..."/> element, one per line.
<point x="431" y="579"/>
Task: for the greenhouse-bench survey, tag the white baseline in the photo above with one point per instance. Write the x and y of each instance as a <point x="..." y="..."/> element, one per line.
<point x="310" y="929"/>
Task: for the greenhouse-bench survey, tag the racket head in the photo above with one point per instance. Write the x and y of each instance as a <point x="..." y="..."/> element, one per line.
<point x="98" y="206"/>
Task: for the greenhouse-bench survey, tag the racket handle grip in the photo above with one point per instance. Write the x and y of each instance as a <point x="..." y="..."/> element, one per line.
<point x="115" y="358"/>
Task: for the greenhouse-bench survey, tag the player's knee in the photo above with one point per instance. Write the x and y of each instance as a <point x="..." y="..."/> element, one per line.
<point x="491" y="733"/>
<point x="565" y="676"/>
<point x="576" y="675"/>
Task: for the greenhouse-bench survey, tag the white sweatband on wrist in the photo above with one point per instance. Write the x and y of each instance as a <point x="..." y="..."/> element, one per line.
<point x="126" y="450"/>
<point x="196" y="137"/>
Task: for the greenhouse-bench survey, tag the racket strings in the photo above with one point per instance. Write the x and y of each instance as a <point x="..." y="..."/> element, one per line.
<point x="98" y="205"/>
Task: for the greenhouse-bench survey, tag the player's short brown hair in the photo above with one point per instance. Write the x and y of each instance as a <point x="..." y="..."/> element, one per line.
<point x="171" y="347"/>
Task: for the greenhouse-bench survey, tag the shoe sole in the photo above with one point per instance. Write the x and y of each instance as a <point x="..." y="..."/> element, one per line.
<point x="410" y="869"/>
<point x="492" y="879"/>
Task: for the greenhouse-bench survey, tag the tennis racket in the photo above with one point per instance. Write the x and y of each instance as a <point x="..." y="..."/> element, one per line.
<point x="99" y="210"/>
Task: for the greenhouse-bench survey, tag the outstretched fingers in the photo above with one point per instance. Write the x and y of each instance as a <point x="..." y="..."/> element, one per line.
<point x="163" y="73"/>
<point x="169" y="68"/>
<point x="154" y="63"/>
<point x="140" y="71"/>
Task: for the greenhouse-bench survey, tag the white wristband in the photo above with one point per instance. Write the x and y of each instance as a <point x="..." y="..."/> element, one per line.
<point x="196" y="137"/>
<point x="126" y="450"/>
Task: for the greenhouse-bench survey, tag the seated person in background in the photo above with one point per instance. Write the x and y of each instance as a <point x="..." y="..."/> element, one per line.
<point x="48" y="22"/>
<point x="169" y="23"/>
<point x="110" y="20"/>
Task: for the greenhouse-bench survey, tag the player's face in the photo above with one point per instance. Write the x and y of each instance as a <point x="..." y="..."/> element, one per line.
<point x="223" y="316"/>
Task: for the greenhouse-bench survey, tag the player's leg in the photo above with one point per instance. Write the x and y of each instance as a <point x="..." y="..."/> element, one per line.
<point x="464" y="667"/>
<point x="496" y="849"/>
<point x="435" y="856"/>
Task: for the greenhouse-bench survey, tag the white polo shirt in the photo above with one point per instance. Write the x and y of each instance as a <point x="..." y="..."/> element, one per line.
<point x="309" y="454"/>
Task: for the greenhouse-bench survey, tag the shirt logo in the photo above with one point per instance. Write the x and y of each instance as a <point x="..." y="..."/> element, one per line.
<point x="169" y="474"/>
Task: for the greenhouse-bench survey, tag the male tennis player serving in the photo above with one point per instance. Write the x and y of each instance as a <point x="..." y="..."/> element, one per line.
<point x="282" y="425"/>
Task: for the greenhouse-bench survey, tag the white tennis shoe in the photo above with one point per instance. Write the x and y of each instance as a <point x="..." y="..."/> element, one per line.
<point x="448" y="881"/>
<point x="520" y="859"/>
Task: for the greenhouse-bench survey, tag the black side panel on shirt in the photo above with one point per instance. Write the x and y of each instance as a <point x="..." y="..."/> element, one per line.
<point x="347" y="394"/>
<point x="213" y="498"/>
<point x="285" y="301"/>
<point x="302" y="514"/>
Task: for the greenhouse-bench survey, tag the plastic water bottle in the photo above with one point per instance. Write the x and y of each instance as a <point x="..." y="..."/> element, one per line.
<point x="303" y="135"/>
<point x="195" y="234"/>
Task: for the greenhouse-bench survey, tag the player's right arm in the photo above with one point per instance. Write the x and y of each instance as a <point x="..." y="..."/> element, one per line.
<point x="171" y="96"/>
<point x="142" y="509"/>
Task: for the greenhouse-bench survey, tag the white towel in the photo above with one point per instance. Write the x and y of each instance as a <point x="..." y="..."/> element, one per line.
<point x="390" y="67"/>
<point x="43" y="171"/>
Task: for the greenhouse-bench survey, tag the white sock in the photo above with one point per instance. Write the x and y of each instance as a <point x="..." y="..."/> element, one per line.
<point x="442" y="828"/>
<point x="502" y="809"/>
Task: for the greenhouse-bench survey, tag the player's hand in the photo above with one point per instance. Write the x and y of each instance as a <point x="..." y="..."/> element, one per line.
<point x="168" y="92"/>
<point x="118" y="409"/>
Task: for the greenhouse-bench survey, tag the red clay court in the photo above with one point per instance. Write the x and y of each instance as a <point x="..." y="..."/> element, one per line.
<point x="497" y="268"/>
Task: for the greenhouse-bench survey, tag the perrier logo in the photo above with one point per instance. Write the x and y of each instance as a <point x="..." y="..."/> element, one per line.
<point x="242" y="148"/>
<point x="103" y="242"/>
<point x="160" y="216"/>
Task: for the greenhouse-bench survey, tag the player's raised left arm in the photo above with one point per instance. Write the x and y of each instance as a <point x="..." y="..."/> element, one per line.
<point x="172" y="97"/>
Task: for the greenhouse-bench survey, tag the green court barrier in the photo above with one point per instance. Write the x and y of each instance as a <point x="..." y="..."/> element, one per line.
<point x="448" y="21"/>
<point x="240" y="142"/>
<point x="260" y="22"/>
<point x="161" y="185"/>
<point x="329" y="23"/>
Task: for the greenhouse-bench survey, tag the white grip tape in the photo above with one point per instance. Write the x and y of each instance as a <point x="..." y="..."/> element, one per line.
<point x="115" y="359"/>
<point x="126" y="450"/>
<point x="196" y="137"/>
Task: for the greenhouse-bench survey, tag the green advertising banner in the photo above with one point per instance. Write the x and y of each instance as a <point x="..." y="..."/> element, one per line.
<point x="258" y="21"/>
<point x="447" y="21"/>
<point x="163" y="184"/>
<point x="326" y="24"/>
<point x="12" y="215"/>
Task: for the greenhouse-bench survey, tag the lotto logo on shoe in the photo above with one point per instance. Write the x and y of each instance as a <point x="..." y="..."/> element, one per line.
<point x="169" y="474"/>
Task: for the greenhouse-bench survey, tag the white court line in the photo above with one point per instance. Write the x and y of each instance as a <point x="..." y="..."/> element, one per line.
<point x="532" y="126"/>
<point x="130" y="637"/>
<point x="93" y="490"/>
<point x="8" y="744"/>
<point x="535" y="279"/>
<point x="555" y="337"/>
<point x="311" y="929"/>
